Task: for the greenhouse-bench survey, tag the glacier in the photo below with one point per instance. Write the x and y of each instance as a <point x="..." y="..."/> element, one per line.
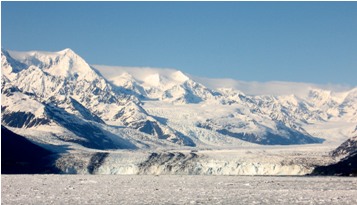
<point x="57" y="100"/>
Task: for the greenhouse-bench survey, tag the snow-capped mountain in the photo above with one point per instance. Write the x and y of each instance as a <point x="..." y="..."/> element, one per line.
<point x="164" y="85"/>
<point x="61" y="89"/>
<point x="58" y="98"/>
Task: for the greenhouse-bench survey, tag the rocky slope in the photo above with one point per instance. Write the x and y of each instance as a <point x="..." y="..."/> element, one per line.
<point x="347" y="163"/>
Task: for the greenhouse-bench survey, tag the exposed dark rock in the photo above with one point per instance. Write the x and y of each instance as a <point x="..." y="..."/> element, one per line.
<point x="22" y="119"/>
<point x="89" y="134"/>
<point x="96" y="161"/>
<point x="347" y="166"/>
<point x="85" y="112"/>
<point x="170" y="163"/>
<point x="346" y="148"/>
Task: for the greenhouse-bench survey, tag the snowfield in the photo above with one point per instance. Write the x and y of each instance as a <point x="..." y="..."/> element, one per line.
<point x="57" y="98"/>
<point x="149" y="189"/>
<point x="116" y="120"/>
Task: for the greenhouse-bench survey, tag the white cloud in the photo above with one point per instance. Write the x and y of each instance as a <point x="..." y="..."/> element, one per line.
<point x="249" y="88"/>
<point x="269" y="88"/>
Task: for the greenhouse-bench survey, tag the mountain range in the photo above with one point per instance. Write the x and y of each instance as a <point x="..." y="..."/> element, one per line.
<point x="58" y="100"/>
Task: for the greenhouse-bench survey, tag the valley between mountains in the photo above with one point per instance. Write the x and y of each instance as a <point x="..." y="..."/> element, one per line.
<point x="120" y="120"/>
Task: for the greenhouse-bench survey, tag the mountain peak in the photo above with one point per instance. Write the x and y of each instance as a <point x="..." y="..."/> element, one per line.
<point x="139" y="102"/>
<point x="64" y="63"/>
<point x="9" y="66"/>
<point x="157" y="80"/>
<point x="180" y="76"/>
<point x="67" y="51"/>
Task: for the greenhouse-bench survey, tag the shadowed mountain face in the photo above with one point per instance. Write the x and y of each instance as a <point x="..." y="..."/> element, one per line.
<point x="20" y="156"/>
<point x="346" y="148"/>
<point x="347" y="166"/>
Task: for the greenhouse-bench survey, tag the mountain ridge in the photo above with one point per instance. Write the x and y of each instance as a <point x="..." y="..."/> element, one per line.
<point x="160" y="108"/>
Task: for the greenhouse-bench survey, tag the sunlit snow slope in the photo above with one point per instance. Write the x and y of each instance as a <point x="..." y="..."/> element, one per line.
<point x="59" y="100"/>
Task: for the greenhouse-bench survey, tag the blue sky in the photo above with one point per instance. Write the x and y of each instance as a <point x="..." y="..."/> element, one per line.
<point x="251" y="41"/>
